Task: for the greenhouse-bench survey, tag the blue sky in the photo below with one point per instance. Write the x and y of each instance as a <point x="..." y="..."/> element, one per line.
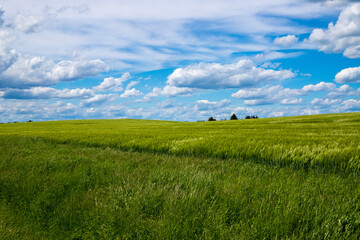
<point x="185" y="60"/>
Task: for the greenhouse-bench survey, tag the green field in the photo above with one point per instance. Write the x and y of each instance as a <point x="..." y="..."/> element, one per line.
<point x="293" y="177"/>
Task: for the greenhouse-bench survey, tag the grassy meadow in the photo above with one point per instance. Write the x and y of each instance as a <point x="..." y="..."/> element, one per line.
<point x="293" y="177"/>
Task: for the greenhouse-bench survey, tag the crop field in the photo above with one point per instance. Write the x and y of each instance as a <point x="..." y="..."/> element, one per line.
<point x="293" y="177"/>
<point x="330" y="141"/>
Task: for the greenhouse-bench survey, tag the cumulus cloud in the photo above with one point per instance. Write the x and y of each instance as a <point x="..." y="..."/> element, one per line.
<point x="1" y="16"/>
<point x="37" y="71"/>
<point x="27" y="24"/>
<point x="129" y="93"/>
<point x="168" y="103"/>
<point x="269" y="95"/>
<point x="271" y="65"/>
<point x="65" y="108"/>
<point x="217" y="76"/>
<point x="172" y="91"/>
<point x="113" y="84"/>
<point x="344" y="36"/>
<point x="322" y="86"/>
<point x="131" y="84"/>
<point x="325" y="102"/>
<point x="255" y="102"/>
<point x="351" y="105"/>
<point x="97" y="100"/>
<point x="205" y="105"/>
<point x="343" y="91"/>
<point x="310" y="111"/>
<point x="47" y="93"/>
<point x="273" y="55"/>
<point x="348" y="75"/>
<point x="7" y="55"/>
<point x="289" y="101"/>
<point x="168" y="91"/>
<point x="278" y="94"/>
<point x="286" y="40"/>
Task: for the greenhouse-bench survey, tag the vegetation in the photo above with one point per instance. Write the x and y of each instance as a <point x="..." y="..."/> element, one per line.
<point x="74" y="179"/>
<point x="233" y="117"/>
<point x="211" y="119"/>
<point x="329" y="141"/>
<point x="251" y="117"/>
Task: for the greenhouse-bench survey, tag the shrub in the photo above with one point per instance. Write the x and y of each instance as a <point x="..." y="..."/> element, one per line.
<point x="211" y="119"/>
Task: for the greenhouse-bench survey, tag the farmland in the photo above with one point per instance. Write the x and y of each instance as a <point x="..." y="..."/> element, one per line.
<point x="293" y="177"/>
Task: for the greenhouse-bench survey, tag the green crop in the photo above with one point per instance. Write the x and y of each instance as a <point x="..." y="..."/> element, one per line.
<point x="280" y="178"/>
<point x="327" y="141"/>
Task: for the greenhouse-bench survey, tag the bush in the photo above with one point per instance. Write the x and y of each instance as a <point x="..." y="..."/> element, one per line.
<point x="211" y="119"/>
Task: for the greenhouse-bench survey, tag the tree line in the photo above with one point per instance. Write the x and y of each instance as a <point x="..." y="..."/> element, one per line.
<point x="234" y="117"/>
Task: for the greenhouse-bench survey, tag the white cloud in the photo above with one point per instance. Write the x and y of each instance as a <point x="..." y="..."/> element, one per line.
<point x="273" y="55"/>
<point x="172" y="91"/>
<point x="97" y="100"/>
<point x="129" y="93"/>
<point x="204" y="105"/>
<point x="286" y="40"/>
<point x="7" y="55"/>
<point x="131" y="84"/>
<point x="322" y="86"/>
<point x="168" y="91"/>
<point x="37" y="71"/>
<point x="325" y="102"/>
<point x="27" y="24"/>
<point x="47" y="93"/>
<point x="279" y="94"/>
<point x="1" y="16"/>
<point x="269" y="95"/>
<point x="348" y="75"/>
<point x="168" y="103"/>
<point x="65" y="108"/>
<point x="342" y="91"/>
<point x="309" y="111"/>
<point x="113" y="84"/>
<point x="344" y="36"/>
<point x="351" y="105"/>
<point x="255" y="102"/>
<point x="291" y="101"/>
<point x="271" y="65"/>
<point x="217" y="76"/>
<point x="255" y="93"/>
<point x="70" y="70"/>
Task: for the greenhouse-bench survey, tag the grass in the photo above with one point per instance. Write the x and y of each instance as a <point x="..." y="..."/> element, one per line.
<point x="330" y="142"/>
<point x="59" y="180"/>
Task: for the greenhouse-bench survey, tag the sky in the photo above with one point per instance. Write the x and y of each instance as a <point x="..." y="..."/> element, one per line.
<point x="182" y="60"/>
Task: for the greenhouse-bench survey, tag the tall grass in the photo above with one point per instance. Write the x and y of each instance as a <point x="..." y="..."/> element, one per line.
<point x="70" y="191"/>
<point x="330" y="142"/>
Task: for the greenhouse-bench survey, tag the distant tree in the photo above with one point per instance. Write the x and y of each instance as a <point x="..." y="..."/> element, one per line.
<point x="233" y="117"/>
<point x="30" y="121"/>
<point x="251" y="117"/>
<point x="211" y="119"/>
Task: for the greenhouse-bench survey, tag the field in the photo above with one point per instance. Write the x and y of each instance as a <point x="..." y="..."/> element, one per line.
<point x="293" y="177"/>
